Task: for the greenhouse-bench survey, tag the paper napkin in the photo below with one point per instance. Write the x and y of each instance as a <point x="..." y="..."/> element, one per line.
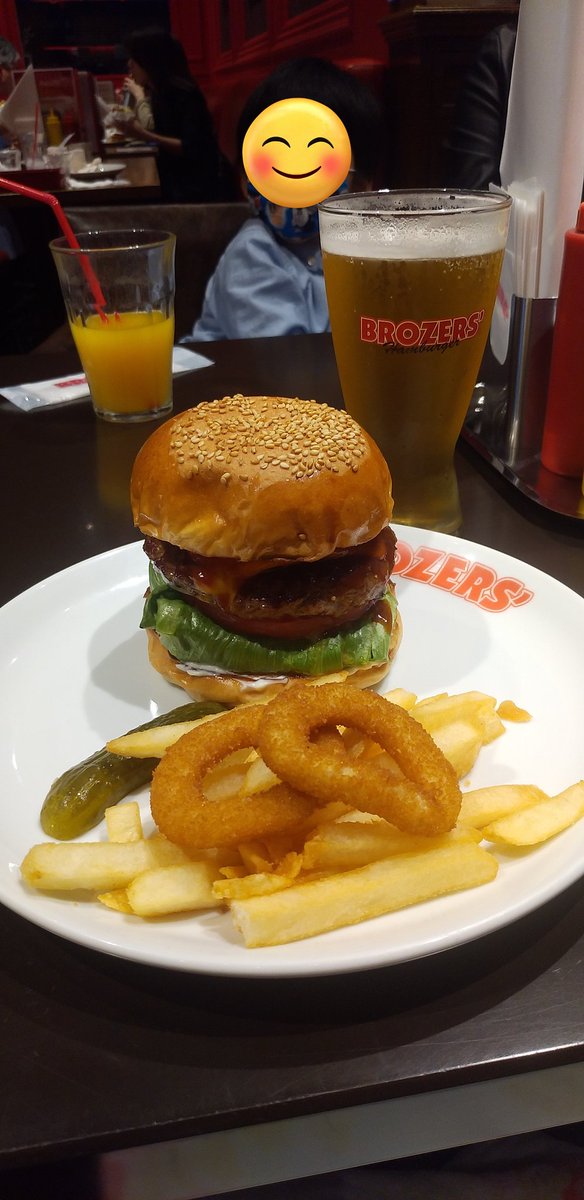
<point x="51" y="393"/>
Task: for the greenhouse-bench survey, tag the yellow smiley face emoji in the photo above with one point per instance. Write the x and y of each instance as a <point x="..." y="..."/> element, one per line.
<point x="296" y="153"/>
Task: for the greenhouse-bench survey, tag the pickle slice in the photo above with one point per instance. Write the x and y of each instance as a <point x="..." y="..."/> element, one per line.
<point x="77" y="800"/>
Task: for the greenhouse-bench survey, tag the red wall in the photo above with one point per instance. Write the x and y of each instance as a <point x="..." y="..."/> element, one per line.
<point x="338" y="29"/>
<point x="335" y="28"/>
<point x="346" y="31"/>
<point x="9" y="27"/>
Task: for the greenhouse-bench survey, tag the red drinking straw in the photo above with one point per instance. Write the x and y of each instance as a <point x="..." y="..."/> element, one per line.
<point x="48" y="198"/>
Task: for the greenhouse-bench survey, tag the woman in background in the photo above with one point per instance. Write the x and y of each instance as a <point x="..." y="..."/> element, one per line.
<point x="190" y="165"/>
<point x="142" y="105"/>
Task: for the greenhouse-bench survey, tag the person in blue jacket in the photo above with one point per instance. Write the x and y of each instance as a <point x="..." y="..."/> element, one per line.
<point x="269" y="281"/>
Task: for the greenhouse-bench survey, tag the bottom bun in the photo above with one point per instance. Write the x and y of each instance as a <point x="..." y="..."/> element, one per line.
<point x="236" y="689"/>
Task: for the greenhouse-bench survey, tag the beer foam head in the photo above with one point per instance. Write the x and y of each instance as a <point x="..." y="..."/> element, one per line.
<point x="414" y="224"/>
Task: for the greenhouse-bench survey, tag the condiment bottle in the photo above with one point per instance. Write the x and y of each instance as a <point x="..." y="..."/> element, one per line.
<point x="563" y="436"/>
<point x="69" y="123"/>
<point x="54" y="129"/>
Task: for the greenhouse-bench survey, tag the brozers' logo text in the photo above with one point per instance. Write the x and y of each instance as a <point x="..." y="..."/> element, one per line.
<point x="421" y="335"/>
<point x="472" y="581"/>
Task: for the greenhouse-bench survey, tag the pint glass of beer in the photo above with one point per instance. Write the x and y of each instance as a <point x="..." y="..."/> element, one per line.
<point x="411" y="279"/>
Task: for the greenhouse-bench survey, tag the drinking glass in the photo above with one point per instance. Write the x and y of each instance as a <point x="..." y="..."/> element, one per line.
<point x="125" y="347"/>
<point x="10" y="159"/>
<point x="411" y="279"/>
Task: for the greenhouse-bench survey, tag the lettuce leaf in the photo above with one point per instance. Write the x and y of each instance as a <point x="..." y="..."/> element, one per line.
<point x="192" y="637"/>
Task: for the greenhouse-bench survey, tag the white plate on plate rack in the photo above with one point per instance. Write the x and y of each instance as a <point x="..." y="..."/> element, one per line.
<point x="106" y="171"/>
<point x="74" y="672"/>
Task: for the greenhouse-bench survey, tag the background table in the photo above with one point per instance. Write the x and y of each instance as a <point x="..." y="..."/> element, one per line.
<point x="264" y="1080"/>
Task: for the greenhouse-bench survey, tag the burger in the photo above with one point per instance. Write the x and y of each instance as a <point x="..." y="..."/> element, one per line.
<point x="266" y="523"/>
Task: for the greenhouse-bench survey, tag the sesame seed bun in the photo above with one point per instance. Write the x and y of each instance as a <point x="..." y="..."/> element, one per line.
<point x="261" y="477"/>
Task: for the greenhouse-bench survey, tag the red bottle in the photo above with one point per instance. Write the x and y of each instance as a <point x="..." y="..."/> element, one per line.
<point x="563" y="435"/>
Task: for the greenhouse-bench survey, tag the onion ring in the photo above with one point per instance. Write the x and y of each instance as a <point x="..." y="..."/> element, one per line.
<point x="425" y="800"/>
<point x="183" y="812"/>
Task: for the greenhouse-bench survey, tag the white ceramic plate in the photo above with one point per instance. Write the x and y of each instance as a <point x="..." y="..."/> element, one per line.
<point x="105" y="171"/>
<point x="74" y="672"/>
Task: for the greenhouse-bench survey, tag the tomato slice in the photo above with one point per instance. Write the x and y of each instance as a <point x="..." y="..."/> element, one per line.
<point x="292" y="628"/>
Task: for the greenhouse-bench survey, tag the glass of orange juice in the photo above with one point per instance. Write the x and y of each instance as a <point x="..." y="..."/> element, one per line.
<point x="125" y="344"/>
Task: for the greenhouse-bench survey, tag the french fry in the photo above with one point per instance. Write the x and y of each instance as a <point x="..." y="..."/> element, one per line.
<point x="123" y="822"/>
<point x="320" y="905"/>
<point x="472" y="707"/>
<point x="95" y="866"/>
<point x="258" y="777"/>
<point x="490" y="724"/>
<point x="435" y="711"/>
<point x="483" y="805"/>
<point x="270" y="853"/>
<point x="460" y="725"/>
<point x="460" y="742"/>
<point x="541" y="821"/>
<point x="402" y="697"/>
<point x="358" y="745"/>
<point x="384" y="762"/>
<point x="332" y="811"/>
<point x="254" y="856"/>
<point x="509" y="711"/>
<point x="279" y="845"/>
<point x="262" y="883"/>
<point x="152" y="743"/>
<point x="355" y="814"/>
<point x="177" y="888"/>
<point x="227" y="778"/>
<point x="234" y="872"/>
<point x="345" y="845"/>
<point x="118" y="900"/>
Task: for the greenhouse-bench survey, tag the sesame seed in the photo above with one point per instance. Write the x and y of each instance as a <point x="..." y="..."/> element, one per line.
<point x="294" y="438"/>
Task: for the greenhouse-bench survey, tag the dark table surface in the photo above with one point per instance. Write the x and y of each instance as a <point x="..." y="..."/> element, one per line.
<point x="89" y="197"/>
<point x="97" y="1053"/>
